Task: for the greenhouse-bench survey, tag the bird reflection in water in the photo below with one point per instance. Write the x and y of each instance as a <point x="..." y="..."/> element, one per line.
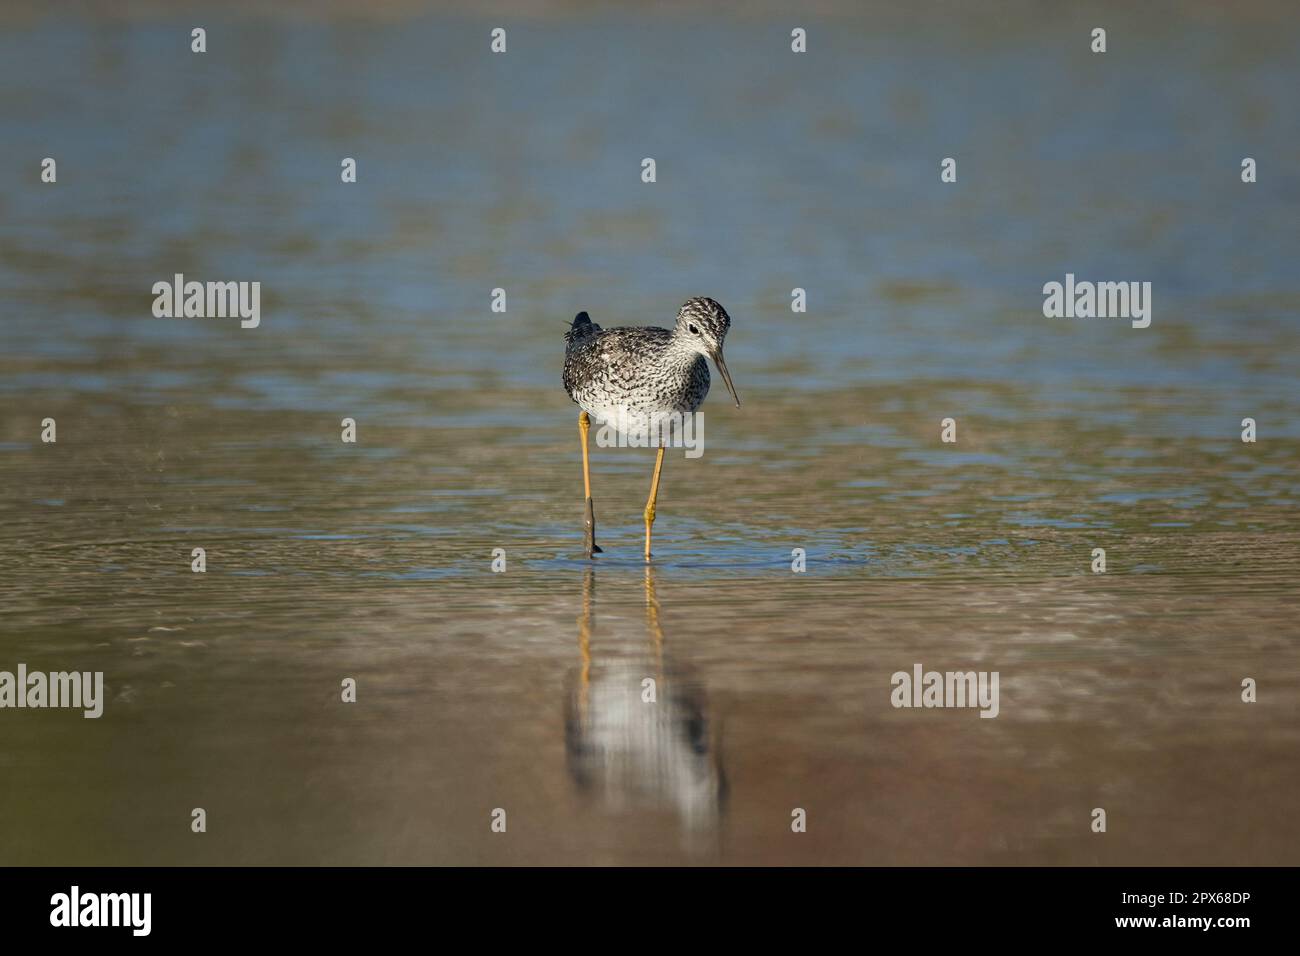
<point x="632" y="752"/>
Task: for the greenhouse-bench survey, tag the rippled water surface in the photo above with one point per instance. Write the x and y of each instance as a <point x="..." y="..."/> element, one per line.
<point x="523" y="690"/>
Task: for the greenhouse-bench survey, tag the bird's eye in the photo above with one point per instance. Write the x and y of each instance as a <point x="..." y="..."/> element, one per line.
<point x="694" y="330"/>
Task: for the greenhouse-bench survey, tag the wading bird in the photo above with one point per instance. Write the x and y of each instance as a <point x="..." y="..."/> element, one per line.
<point x="641" y="377"/>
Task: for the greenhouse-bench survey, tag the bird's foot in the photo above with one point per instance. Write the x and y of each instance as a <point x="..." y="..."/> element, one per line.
<point x="590" y="531"/>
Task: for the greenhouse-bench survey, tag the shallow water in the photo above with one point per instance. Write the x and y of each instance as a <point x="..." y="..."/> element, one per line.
<point x="522" y="690"/>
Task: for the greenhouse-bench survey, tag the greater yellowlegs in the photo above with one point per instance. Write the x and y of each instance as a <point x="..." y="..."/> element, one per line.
<point x="641" y="377"/>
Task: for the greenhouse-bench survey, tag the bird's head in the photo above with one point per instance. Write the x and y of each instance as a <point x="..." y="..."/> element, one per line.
<point x="702" y="324"/>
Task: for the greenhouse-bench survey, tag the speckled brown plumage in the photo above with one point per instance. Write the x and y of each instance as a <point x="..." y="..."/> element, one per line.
<point x="644" y="371"/>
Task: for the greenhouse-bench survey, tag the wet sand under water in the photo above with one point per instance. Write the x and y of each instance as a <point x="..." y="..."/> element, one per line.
<point x="522" y="690"/>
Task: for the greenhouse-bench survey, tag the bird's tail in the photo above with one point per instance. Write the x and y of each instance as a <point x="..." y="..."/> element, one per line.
<point x="582" y="327"/>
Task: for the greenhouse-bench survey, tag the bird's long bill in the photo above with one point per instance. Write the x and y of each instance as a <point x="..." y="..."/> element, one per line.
<point x="726" y="376"/>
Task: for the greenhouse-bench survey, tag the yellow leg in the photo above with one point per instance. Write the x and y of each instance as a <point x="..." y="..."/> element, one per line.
<point x="654" y="494"/>
<point x="584" y="425"/>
